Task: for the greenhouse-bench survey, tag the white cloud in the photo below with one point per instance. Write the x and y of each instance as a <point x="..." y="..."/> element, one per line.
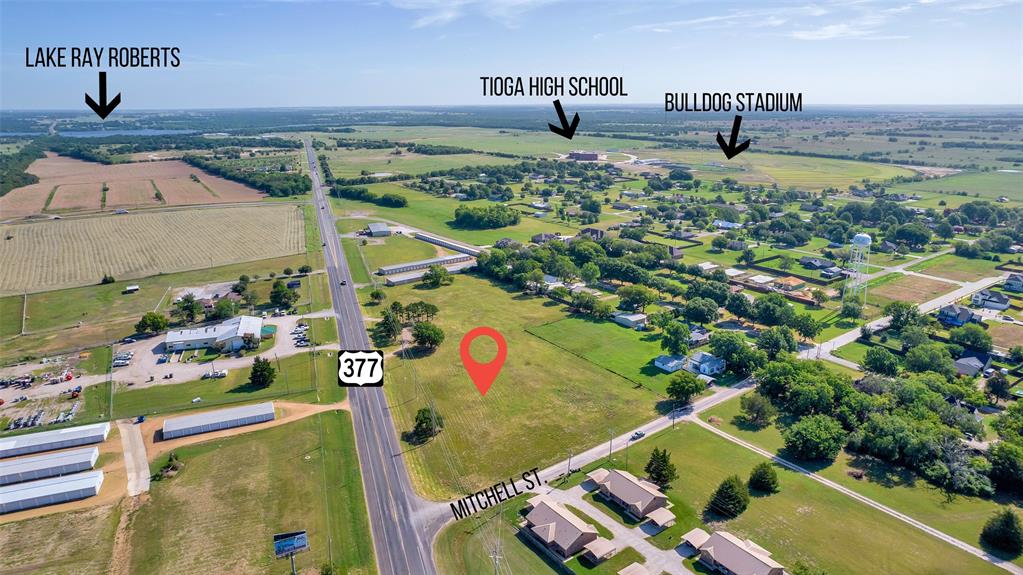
<point x="441" y="12"/>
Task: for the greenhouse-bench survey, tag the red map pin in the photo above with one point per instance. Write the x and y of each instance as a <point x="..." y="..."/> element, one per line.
<point x="483" y="374"/>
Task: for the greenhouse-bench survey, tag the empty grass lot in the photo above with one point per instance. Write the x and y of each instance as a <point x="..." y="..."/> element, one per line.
<point x="350" y="163"/>
<point x="234" y="493"/>
<point x="900" y="287"/>
<point x="957" y="268"/>
<point x="622" y="351"/>
<point x="985" y="185"/>
<point x="544" y="398"/>
<point x="963" y="517"/>
<point x="436" y="214"/>
<point x="833" y="531"/>
<point x="395" y="250"/>
<point x="79" y="542"/>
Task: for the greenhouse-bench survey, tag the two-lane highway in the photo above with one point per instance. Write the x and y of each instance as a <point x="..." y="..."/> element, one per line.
<point x="403" y="525"/>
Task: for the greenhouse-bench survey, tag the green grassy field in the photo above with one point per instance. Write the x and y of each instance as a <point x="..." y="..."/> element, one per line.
<point x="985" y="185"/>
<point x="395" y="250"/>
<point x="436" y="214"/>
<point x="622" y="351"/>
<point x="10" y="315"/>
<point x="298" y="379"/>
<point x="962" y="517"/>
<point x="612" y="566"/>
<point x="489" y="140"/>
<point x="806" y="521"/>
<point x="233" y="494"/>
<point x="349" y="163"/>
<point x="98" y="360"/>
<point x="356" y="265"/>
<point x="545" y="398"/>
<point x="802" y="172"/>
<point x="957" y="268"/>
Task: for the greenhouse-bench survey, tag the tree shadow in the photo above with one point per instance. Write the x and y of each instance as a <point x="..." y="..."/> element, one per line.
<point x="247" y="387"/>
<point x="745" y="424"/>
<point x="881" y="472"/>
<point x="418" y="352"/>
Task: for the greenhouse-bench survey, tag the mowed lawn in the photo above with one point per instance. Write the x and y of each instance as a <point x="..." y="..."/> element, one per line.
<point x="806" y="521"/>
<point x="544" y="402"/>
<point x="963" y="517"/>
<point x="436" y="214"/>
<point x="622" y="351"/>
<point x="957" y="268"/>
<point x="219" y="513"/>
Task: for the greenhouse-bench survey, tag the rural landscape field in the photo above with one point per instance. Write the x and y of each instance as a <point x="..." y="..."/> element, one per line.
<point x="509" y="287"/>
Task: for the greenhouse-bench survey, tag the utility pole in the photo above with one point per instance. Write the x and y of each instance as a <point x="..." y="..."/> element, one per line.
<point x="569" y="463"/>
<point x="610" y="442"/>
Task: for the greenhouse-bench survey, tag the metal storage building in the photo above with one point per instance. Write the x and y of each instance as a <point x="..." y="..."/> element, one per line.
<point x="57" y="439"/>
<point x="49" y="491"/>
<point x="216" y="420"/>
<point x="422" y="264"/>
<point x="47" y="465"/>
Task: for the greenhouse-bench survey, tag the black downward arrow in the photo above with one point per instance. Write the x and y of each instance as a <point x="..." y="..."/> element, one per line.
<point x="730" y="149"/>
<point x="104" y="108"/>
<point x="566" y="130"/>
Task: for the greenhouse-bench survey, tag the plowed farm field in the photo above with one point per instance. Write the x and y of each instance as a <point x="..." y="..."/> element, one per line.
<point x="128" y="183"/>
<point x="73" y="252"/>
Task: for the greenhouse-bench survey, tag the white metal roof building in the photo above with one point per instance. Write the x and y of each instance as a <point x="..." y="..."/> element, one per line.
<point x="57" y="439"/>
<point x="422" y="264"/>
<point x="378" y="229"/>
<point x="218" y="419"/>
<point x="47" y="465"/>
<point x="49" y="491"/>
<point x="446" y="243"/>
<point x="229" y="335"/>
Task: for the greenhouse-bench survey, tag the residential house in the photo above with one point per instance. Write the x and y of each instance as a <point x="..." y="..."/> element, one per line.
<point x="886" y="247"/>
<point x="972" y="363"/>
<point x="815" y="263"/>
<point x="704" y="363"/>
<point x="730" y="555"/>
<point x="726" y="225"/>
<point x="957" y="315"/>
<point x="557" y="528"/>
<point x="639" y="498"/>
<point x="737" y="245"/>
<point x="680" y="235"/>
<point x="990" y="299"/>
<point x="832" y="272"/>
<point x="544" y="237"/>
<point x="707" y="266"/>
<point x="675" y="253"/>
<point x="620" y="206"/>
<point x="630" y="319"/>
<point x="506" y="243"/>
<point x="592" y="233"/>
<point x="861" y="193"/>
<point x="698" y="335"/>
<point x="1014" y="283"/>
<point x="669" y="363"/>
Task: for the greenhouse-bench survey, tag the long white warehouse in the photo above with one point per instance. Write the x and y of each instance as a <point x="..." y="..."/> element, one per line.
<point x="48" y="465"/>
<point x="216" y="420"/>
<point x="49" y="491"/>
<point x="57" y="439"/>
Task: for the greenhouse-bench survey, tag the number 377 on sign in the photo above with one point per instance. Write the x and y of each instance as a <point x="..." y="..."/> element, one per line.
<point x="360" y="368"/>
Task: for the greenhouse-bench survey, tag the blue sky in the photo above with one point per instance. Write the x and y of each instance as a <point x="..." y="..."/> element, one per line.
<point x="425" y="52"/>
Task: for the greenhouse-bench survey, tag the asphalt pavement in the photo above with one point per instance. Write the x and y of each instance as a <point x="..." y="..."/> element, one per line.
<point x="403" y="525"/>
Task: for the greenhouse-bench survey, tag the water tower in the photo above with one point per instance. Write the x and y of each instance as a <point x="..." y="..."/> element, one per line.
<point x="856" y="285"/>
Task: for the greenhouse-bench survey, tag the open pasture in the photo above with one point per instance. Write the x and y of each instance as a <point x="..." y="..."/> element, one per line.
<point x="802" y="172"/>
<point x="953" y="267"/>
<point x="79" y="184"/>
<point x="522" y="142"/>
<point x="436" y="215"/>
<point x="59" y="254"/>
<point x="348" y="163"/>
<point x="976" y="185"/>
<point x="545" y="397"/>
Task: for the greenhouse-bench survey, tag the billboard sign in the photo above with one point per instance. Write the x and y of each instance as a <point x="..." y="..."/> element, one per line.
<point x="286" y="544"/>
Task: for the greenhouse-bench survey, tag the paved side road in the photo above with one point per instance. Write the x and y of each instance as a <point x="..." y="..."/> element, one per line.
<point x="996" y="561"/>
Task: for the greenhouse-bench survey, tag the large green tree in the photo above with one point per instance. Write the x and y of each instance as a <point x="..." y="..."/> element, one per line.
<point x="1004" y="532"/>
<point x="684" y="386"/>
<point x="675" y="339"/>
<point x="814" y="437"/>
<point x="262" y="374"/>
<point x="659" y="469"/>
<point x="152" y="322"/>
<point x="880" y="360"/>
<point x="730" y="499"/>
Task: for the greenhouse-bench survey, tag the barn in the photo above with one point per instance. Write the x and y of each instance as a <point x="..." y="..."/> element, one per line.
<point x="218" y="419"/>
<point x="48" y="465"/>
<point x="49" y="491"/>
<point x="57" y="439"/>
